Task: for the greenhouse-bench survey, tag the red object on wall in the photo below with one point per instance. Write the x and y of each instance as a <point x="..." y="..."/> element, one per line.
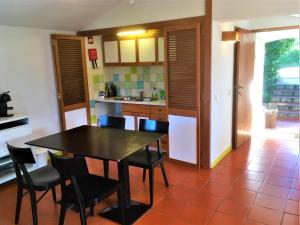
<point x="93" y="54"/>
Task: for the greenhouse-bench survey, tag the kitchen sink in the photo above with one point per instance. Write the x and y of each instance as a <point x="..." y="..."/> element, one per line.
<point x="136" y="99"/>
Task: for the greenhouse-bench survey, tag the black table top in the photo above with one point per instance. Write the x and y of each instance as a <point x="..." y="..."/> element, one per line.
<point x="96" y="142"/>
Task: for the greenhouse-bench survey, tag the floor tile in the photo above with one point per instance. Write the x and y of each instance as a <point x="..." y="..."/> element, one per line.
<point x="270" y="202"/>
<point x="282" y="172"/>
<point x="258" y="167"/>
<point x="251" y="222"/>
<point x="289" y="219"/>
<point x="243" y="196"/>
<point x="207" y="200"/>
<point x="294" y="194"/>
<point x="296" y="184"/>
<point x="233" y="208"/>
<point x="246" y="184"/>
<point x="273" y="190"/>
<point x="217" y="189"/>
<point x="225" y="219"/>
<point x="279" y="181"/>
<point x="253" y="175"/>
<point x="195" y="215"/>
<point x="292" y="207"/>
<point x="265" y="216"/>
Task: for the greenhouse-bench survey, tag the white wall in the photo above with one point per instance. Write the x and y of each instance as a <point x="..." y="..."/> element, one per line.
<point x="221" y="90"/>
<point x="147" y="11"/>
<point x="26" y="70"/>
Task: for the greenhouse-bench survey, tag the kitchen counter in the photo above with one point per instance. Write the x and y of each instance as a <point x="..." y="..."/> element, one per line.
<point x="112" y="100"/>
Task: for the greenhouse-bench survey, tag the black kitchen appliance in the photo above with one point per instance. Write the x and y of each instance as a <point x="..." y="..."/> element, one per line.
<point x="4" y="98"/>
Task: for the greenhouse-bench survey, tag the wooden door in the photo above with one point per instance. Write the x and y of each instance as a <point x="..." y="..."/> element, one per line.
<point x="244" y="72"/>
<point x="72" y="85"/>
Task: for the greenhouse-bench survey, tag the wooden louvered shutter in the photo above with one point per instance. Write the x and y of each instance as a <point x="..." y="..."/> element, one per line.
<point x="72" y="85"/>
<point x="183" y="69"/>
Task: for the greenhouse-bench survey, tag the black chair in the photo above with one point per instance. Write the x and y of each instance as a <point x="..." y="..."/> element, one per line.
<point x="84" y="190"/>
<point x="111" y="122"/>
<point x="149" y="159"/>
<point x="42" y="179"/>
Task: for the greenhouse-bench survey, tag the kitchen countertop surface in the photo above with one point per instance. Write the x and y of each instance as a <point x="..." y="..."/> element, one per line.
<point x="112" y="100"/>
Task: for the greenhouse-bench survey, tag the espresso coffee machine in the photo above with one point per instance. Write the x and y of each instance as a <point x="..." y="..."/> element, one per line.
<point x="4" y="98"/>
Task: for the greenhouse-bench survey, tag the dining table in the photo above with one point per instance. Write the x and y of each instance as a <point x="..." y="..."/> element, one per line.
<point x="110" y="144"/>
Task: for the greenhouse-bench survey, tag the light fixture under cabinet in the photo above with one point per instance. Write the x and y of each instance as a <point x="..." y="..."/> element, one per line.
<point x="230" y="36"/>
<point x="132" y="32"/>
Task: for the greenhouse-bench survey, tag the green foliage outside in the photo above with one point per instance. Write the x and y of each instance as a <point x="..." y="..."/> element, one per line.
<point x="290" y="59"/>
<point x="275" y="53"/>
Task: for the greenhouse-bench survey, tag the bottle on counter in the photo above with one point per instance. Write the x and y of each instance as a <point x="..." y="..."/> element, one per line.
<point x="106" y="89"/>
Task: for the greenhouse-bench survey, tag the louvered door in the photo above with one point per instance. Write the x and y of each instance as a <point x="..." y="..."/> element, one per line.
<point x="72" y="85"/>
<point x="183" y="69"/>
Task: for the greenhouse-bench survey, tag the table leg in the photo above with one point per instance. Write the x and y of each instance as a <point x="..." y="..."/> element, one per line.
<point x="134" y="210"/>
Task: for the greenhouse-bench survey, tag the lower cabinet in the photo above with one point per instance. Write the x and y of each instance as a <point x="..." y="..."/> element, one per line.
<point x="134" y="112"/>
<point x="183" y="138"/>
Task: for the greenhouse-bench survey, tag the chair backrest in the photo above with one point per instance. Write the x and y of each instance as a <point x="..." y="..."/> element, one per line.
<point x="20" y="157"/>
<point x="68" y="167"/>
<point x="112" y="122"/>
<point x="154" y="126"/>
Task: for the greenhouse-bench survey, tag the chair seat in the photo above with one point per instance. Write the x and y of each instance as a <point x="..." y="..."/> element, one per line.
<point x="142" y="158"/>
<point x="93" y="189"/>
<point x="44" y="177"/>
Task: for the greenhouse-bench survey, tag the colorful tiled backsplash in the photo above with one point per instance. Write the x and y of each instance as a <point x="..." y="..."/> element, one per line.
<point x="129" y="81"/>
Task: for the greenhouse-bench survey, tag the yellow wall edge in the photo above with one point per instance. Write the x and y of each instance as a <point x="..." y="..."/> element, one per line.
<point x="217" y="160"/>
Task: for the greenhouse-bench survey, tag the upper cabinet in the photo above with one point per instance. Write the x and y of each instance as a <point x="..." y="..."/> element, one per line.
<point x="161" y="49"/>
<point x="142" y="50"/>
<point x="110" y="52"/>
<point x="128" y="51"/>
<point x="146" y="49"/>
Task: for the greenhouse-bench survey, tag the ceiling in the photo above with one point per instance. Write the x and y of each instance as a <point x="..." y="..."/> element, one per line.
<point x="53" y="14"/>
<point x="74" y="15"/>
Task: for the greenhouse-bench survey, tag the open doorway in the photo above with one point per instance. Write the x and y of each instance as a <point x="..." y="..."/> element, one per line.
<point x="275" y="88"/>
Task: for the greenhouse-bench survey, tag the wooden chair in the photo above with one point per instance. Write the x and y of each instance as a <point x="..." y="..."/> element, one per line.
<point x="84" y="190"/>
<point x="111" y="122"/>
<point x="42" y="179"/>
<point x="149" y="159"/>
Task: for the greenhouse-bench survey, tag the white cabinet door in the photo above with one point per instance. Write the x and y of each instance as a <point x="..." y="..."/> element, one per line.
<point x="128" y="51"/>
<point x="161" y="49"/>
<point x="146" y="49"/>
<point x="76" y="118"/>
<point x="183" y="138"/>
<point x="111" y="52"/>
<point x="130" y="123"/>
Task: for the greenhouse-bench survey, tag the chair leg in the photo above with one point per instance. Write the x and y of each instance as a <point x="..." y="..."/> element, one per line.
<point x="92" y="212"/>
<point x="63" y="209"/>
<point x="33" y="207"/>
<point x="151" y="173"/>
<point x="18" y="205"/>
<point x="122" y="206"/>
<point x="163" y="170"/>
<point x="144" y="174"/>
<point x="82" y="215"/>
<point x="106" y="167"/>
<point x="54" y="194"/>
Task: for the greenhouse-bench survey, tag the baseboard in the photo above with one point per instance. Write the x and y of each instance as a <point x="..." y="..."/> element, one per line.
<point x="217" y="160"/>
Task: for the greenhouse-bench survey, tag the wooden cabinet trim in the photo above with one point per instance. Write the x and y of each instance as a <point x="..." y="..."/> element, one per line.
<point x="159" y="110"/>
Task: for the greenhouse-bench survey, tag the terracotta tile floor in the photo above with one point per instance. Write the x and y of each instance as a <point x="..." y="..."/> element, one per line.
<point x="254" y="185"/>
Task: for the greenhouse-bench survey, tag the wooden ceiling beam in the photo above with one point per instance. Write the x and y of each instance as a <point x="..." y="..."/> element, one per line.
<point x="154" y="25"/>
